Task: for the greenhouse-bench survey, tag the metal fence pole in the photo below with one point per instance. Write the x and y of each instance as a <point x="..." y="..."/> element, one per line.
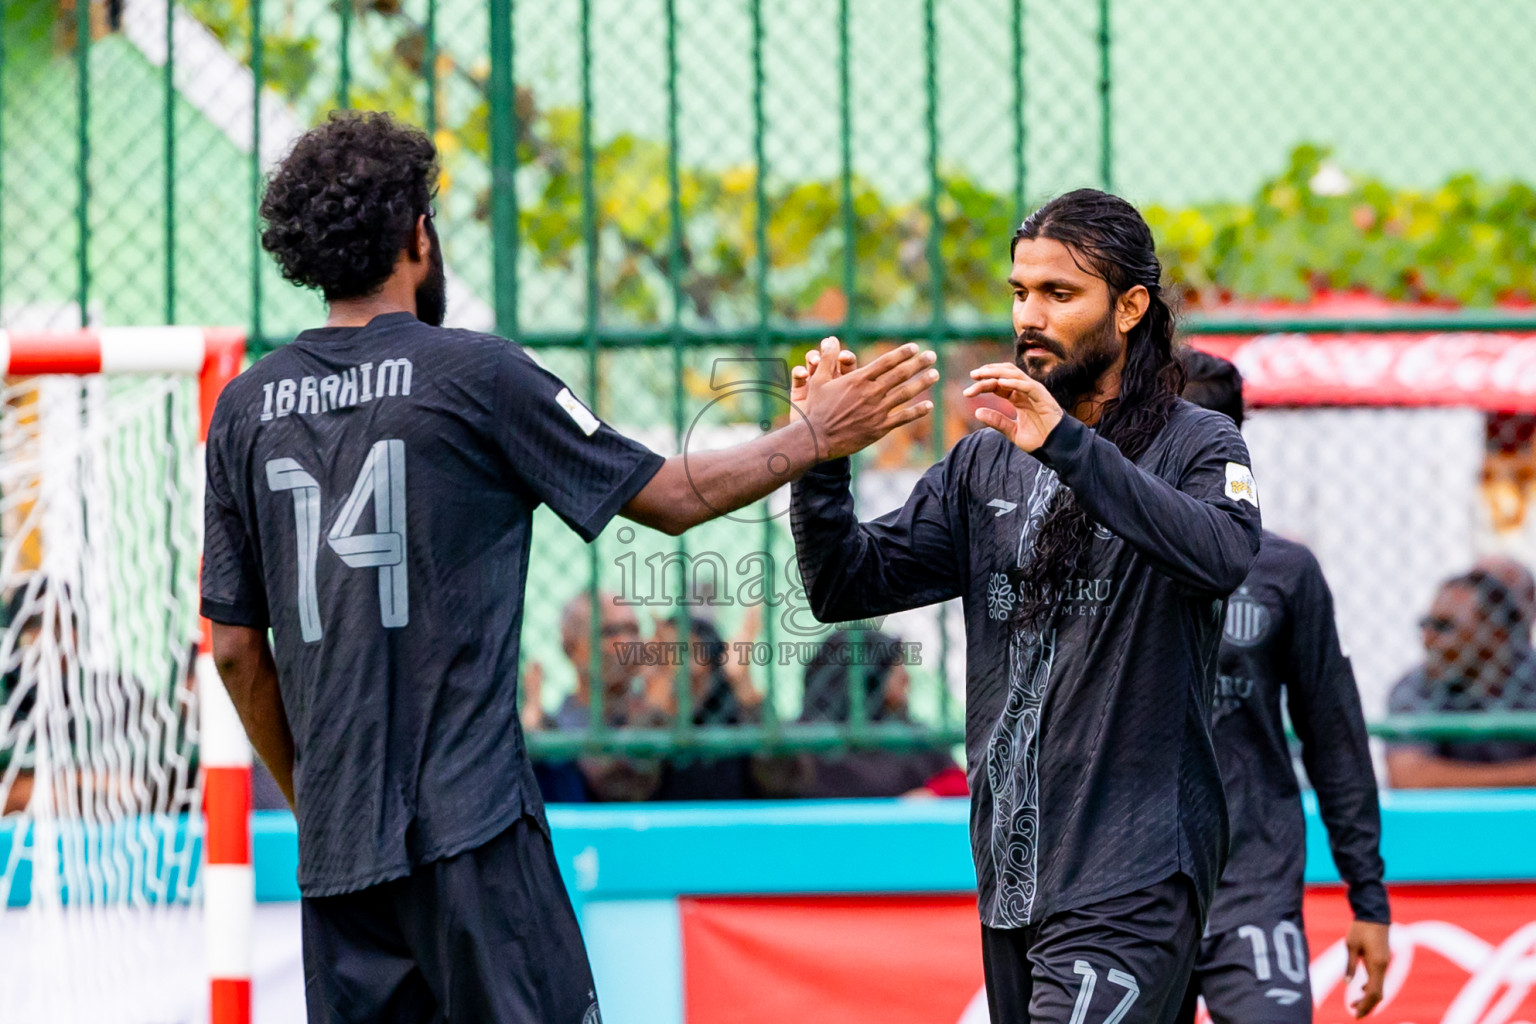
<point x="936" y="288"/>
<point x="762" y="340"/>
<point x="591" y="314"/>
<point x="858" y="669"/>
<point x="505" y="226"/>
<point x="845" y="174"/>
<point x="83" y="156"/>
<point x="429" y="63"/>
<point x="1106" y="110"/>
<point x="344" y="79"/>
<point x="170" y="161"/>
<point x="1020" y="138"/>
<point x="2" y="162"/>
<point x="683" y="723"/>
<point x="257" y="71"/>
<point x="850" y="225"/>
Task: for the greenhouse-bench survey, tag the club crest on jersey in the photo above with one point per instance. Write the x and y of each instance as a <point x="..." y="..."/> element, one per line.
<point x="1240" y="484"/>
<point x="1247" y="620"/>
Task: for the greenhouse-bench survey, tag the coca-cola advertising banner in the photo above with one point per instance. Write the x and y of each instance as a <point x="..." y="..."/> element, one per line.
<point x="1462" y="954"/>
<point x="1496" y="372"/>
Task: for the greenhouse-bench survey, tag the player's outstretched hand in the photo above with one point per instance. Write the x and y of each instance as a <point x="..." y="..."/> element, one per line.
<point x="850" y="409"/>
<point x="1366" y="944"/>
<point x="1038" y="412"/>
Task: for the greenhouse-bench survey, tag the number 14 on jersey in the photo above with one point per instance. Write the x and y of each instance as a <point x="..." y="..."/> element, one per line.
<point x="383" y="480"/>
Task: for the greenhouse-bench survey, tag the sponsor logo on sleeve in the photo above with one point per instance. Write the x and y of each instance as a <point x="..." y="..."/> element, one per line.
<point x="1240" y="484"/>
<point x="589" y="423"/>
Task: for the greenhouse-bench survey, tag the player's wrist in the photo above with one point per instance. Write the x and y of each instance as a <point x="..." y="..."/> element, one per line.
<point x="1062" y="441"/>
<point x="830" y="473"/>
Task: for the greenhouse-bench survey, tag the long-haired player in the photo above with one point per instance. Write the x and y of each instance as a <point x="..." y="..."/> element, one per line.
<point x="1092" y="536"/>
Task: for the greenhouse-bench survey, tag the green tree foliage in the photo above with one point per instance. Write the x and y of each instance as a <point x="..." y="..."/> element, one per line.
<point x="1466" y="242"/>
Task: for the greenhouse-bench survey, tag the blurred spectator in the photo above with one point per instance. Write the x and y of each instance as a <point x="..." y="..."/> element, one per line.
<point x="876" y="675"/>
<point x="720" y="694"/>
<point x="530" y="683"/>
<point x="1478" y="657"/>
<point x="624" y="705"/>
<point x="15" y="708"/>
<point x="721" y="688"/>
<point x="1521" y="584"/>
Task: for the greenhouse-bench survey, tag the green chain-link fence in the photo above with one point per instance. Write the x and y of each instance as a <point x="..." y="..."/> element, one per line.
<point x="642" y="188"/>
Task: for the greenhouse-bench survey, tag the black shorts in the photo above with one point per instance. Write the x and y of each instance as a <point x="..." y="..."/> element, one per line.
<point x="1254" y="974"/>
<point x="485" y="935"/>
<point x="1123" y="961"/>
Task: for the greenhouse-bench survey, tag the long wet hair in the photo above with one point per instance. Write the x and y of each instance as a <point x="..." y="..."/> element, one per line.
<point x="1108" y="238"/>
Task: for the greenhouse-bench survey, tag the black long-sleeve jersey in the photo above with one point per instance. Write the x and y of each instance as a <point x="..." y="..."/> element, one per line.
<point x="1280" y="644"/>
<point x="1090" y="760"/>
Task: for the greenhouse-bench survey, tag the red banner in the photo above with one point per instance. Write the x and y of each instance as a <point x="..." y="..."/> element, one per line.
<point x="1462" y="954"/>
<point x="1496" y="372"/>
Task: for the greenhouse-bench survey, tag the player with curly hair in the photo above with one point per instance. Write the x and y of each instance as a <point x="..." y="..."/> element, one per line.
<point x="370" y="498"/>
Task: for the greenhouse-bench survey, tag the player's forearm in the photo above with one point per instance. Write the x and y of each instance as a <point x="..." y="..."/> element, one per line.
<point x="1189" y="540"/>
<point x="1414" y="770"/>
<point x="1351" y="814"/>
<point x="853" y="570"/>
<point x="244" y="662"/>
<point x="700" y="486"/>
<point x="827" y="544"/>
<point x="1325" y="711"/>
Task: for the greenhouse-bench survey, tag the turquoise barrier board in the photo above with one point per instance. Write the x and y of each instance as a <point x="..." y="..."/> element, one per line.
<point x="644" y="851"/>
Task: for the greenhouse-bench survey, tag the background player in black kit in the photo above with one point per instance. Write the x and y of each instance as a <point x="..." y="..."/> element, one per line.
<point x="1280" y="644"/>
<point x="1092" y="552"/>
<point x="371" y="489"/>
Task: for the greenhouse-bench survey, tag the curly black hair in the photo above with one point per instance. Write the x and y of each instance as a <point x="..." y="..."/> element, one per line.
<point x="341" y="206"/>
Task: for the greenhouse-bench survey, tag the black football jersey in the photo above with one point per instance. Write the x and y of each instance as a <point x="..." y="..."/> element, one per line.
<point x="370" y="497"/>
<point x="1091" y="767"/>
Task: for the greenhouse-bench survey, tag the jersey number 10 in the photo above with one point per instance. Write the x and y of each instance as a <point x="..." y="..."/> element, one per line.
<point x="383" y="480"/>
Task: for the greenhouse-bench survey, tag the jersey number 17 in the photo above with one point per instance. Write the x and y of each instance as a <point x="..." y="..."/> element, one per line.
<point x="383" y="480"/>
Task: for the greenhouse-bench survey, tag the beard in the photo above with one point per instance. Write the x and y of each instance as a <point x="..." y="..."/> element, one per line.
<point x="432" y="293"/>
<point x="1078" y="370"/>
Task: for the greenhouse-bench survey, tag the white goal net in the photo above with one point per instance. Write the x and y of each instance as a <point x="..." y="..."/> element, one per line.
<point x="100" y="499"/>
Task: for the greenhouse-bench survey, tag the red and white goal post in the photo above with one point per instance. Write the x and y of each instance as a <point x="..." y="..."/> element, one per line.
<point x="114" y="734"/>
